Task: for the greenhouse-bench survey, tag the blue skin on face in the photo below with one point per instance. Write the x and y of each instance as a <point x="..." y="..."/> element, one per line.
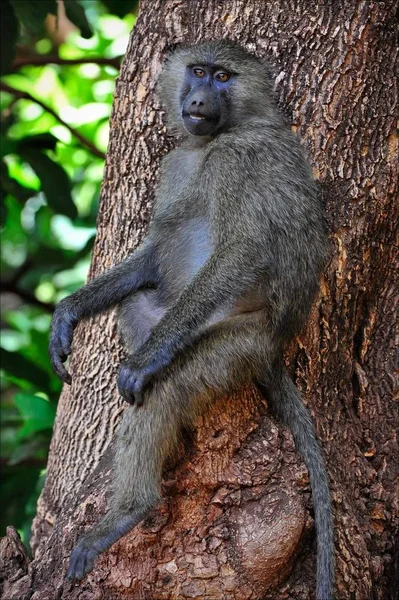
<point x="204" y="96"/>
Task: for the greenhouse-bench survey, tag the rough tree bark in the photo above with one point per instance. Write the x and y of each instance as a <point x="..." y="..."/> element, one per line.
<point x="236" y="519"/>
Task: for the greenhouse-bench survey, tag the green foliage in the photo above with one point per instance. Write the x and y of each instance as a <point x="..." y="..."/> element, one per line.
<point x="31" y="13"/>
<point x="76" y="15"/>
<point x="9" y="35"/>
<point x="53" y="135"/>
<point x="55" y="182"/>
<point x="36" y="412"/>
<point x="118" y="7"/>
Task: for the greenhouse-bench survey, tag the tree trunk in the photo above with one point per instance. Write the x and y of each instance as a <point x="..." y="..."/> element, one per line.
<point x="236" y="520"/>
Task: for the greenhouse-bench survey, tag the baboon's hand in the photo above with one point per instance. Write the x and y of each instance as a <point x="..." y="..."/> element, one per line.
<point x="136" y="373"/>
<point x="132" y="380"/>
<point x="62" y="326"/>
<point x="81" y="562"/>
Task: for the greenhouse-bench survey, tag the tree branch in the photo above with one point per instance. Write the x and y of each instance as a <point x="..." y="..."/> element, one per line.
<point x="20" y="95"/>
<point x="43" y="59"/>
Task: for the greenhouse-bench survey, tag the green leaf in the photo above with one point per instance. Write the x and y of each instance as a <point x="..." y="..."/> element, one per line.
<point x="38" y="349"/>
<point x="9" y="34"/>
<point x="3" y="208"/>
<point x="8" y="118"/>
<point x="38" y="414"/>
<point x="12" y="186"/>
<point x="55" y="183"/>
<point x="41" y="141"/>
<point x="120" y="8"/>
<point x="22" y="368"/>
<point x="14" y="236"/>
<point x="16" y="488"/>
<point x="77" y="15"/>
<point x="7" y="146"/>
<point x="32" y="13"/>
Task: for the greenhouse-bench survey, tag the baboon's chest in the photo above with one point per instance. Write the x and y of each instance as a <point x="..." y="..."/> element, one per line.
<point x="183" y="251"/>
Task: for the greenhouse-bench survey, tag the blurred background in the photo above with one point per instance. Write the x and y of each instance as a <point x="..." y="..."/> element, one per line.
<point x="59" y="62"/>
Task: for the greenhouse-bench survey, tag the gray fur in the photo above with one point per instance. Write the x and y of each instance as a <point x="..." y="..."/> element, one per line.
<point x="224" y="280"/>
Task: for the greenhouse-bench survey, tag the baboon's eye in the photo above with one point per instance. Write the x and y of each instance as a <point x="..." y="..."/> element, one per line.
<point x="222" y="76"/>
<point x="198" y="72"/>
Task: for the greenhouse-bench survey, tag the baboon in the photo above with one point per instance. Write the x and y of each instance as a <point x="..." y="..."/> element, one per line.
<point x="223" y="281"/>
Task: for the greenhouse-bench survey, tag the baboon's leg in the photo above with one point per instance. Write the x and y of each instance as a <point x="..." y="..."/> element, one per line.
<point x="225" y="358"/>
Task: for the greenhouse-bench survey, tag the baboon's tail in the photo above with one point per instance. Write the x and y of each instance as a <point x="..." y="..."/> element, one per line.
<point x="285" y="401"/>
